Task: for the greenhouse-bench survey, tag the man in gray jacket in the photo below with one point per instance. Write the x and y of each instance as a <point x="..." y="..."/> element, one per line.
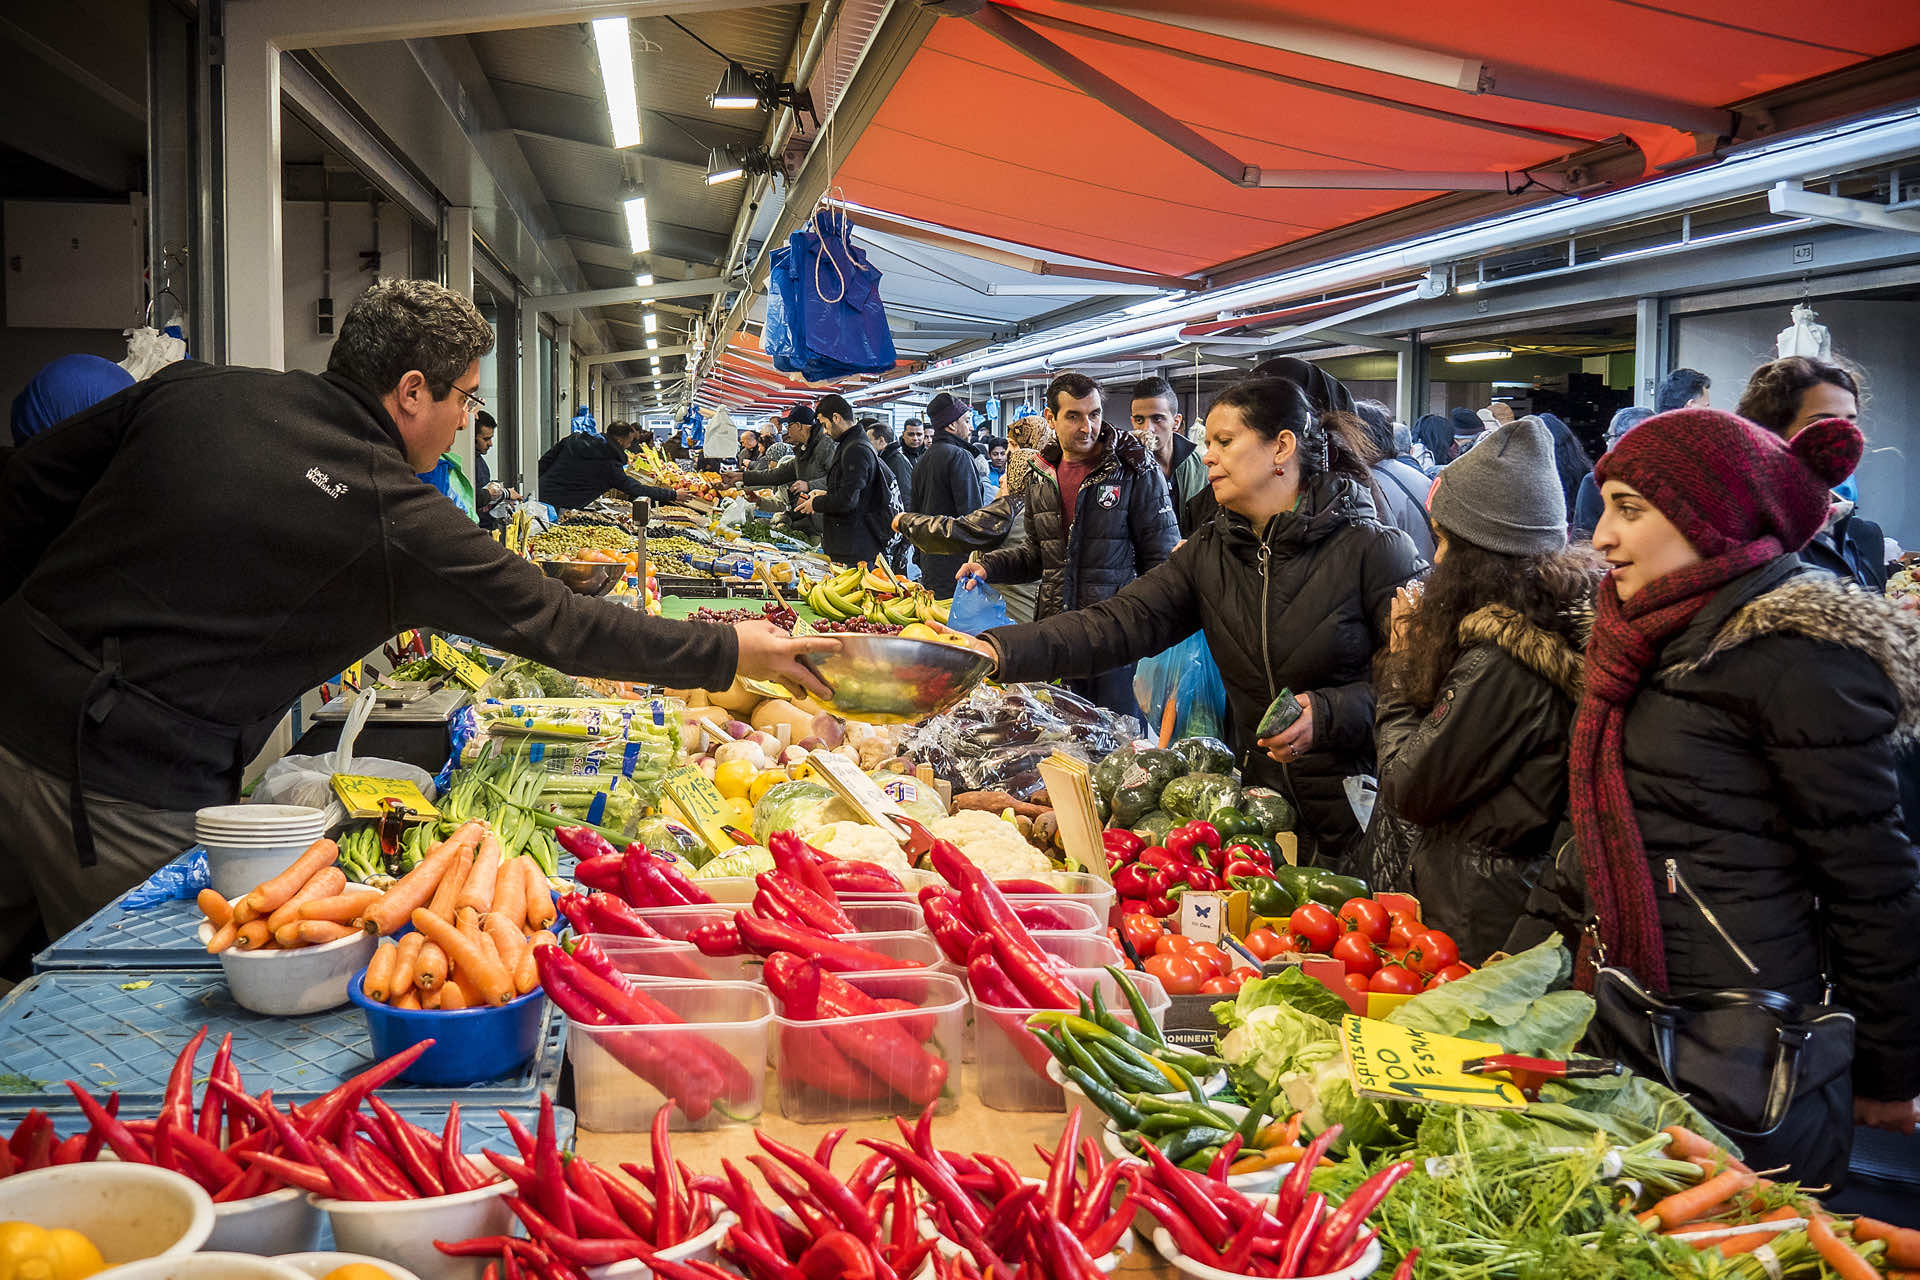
<point x="803" y="473"/>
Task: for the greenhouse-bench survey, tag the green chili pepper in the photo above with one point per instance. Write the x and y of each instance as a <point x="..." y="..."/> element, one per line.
<point x="1256" y="1112"/>
<point x="1191" y="1140"/>
<point x="1078" y="1056"/>
<point x="1105" y="1098"/>
<point x="1138" y="1003"/>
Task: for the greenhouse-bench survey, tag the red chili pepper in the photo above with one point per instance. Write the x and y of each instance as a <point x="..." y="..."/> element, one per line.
<point x="1344" y="1223"/>
<point x="758" y="1258"/>
<point x="769" y="936"/>
<point x="935" y="1178"/>
<point x="837" y="1255"/>
<point x="236" y="1125"/>
<point x="584" y="843"/>
<point x="415" y="1161"/>
<point x="210" y="1104"/>
<point x="609" y="914"/>
<point x="349" y="1182"/>
<point x="68" y="1150"/>
<point x="814" y="910"/>
<point x="379" y="1168"/>
<point x="796" y="857"/>
<point x="845" y="876"/>
<point x="1025" y="886"/>
<point x="1294" y="1189"/>
<point x="670" y="872"/>
<point x="209" y="1159"/>
<point x="296" y="1174"/>
<point x="323" y="1115"/>
<point x="832" y="1192"/>
<point x="683" y="1074"/>
<point x="601" y="873"/>
<point x="115" y="1134"/>
<point x="456" y="1171"/>
<point x="949" y="930"/>
<point x="177" y="1103"/>
<point x="1177" y="1183"/>
<point x="1060" y="1176"/>
<point x="1300" y="1235"/>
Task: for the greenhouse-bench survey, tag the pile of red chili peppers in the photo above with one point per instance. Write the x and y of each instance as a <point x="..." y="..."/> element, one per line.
<point x="797" y="910"/>
<point x="578" y="1215"/>
<point x="651" y="881"/>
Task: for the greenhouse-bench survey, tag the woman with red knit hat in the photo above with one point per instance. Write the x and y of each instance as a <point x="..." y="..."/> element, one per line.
<point x="1732" y="785"/>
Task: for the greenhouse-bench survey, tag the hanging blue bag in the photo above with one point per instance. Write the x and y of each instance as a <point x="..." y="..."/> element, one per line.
<point x="844" y="321"/>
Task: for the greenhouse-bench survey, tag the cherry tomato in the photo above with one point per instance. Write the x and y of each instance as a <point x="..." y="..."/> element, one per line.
<point x="1354" y="951"/>
<point x="1316" y="924"/>
<point x="1452" y="973"/>
<point x="1364" y="916"/>
<point x="1121" y="841"/>
<point x="1264" y="943"/>
<point x="1158" y="856"/>
<point x="1356" y="982"/>
<point x="1177" y="973"/>
<point x="1402" y="932"/>
<point x="1432" y="951"/>
<point x="1395" y="978"/>
<point x="1142" y="930"/>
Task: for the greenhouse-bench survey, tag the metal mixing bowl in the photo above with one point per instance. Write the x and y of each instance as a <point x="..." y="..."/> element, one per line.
<point x="886" y="678"/>
<point x="588" y="577"/>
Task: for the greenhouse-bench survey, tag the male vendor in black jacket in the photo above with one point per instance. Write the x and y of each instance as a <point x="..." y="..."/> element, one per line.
<point x="179" y="563"/>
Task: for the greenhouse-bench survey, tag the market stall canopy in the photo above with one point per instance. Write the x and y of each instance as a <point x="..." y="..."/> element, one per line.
<point x="1174" y="136"/>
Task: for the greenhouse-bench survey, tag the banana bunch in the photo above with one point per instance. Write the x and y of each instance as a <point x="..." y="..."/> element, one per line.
<point x="514" y="535"/>
<point x="878" y="596"/>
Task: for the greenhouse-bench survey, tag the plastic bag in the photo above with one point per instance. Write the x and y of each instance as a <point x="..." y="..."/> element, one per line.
<point x="996" y="739"/>
<point x="976" y="607"/>
<point x="846" y="322"/>
<point x="308" y="780"/>
<point x="181" y="879"/>
<point x="1806" y="336"/>
<point x="1186" y="675"/>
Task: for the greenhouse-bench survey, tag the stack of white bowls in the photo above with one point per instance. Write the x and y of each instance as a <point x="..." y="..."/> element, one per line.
<point x="249" y="843"/>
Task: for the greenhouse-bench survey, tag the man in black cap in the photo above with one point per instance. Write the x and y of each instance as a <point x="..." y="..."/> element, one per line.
<point x="805" y="472"/>
<point x="945" y="483"/>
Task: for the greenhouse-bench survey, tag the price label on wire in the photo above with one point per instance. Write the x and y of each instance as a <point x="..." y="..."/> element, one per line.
<point x="455" y="663"/>
<point x="1388" y="1061"/>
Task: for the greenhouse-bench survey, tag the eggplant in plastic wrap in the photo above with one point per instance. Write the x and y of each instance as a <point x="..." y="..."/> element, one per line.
<point x="996" y="739"/>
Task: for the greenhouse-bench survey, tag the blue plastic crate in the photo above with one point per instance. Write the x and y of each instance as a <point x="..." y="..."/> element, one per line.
<point x="119" y="1030"/>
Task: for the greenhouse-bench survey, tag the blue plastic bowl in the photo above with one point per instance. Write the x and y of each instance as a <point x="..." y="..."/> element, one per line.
<point x="469" y="1045"/>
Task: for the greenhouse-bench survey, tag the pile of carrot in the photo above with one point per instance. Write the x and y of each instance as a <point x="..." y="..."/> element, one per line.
<point x="476" y="918"/>
<point x="1737" y="1211"/>
<point x="308" y="904"/>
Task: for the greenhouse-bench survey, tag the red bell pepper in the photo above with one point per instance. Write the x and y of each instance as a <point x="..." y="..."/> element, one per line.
<point x="846" y="876"/>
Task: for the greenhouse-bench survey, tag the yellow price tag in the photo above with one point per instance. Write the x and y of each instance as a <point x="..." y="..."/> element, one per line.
<point x="354" y="676"/>
<point x="366" y="797"/>
<point x="455" y="663"/>
<point x="1388" y="1061"/>
<point x="702" y="805"/>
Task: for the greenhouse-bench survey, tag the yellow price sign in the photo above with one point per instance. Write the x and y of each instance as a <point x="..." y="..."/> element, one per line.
<point x="702" y="805"/>
<point x="354" y="676"/>
<point x="1387" y="1061"/>
<point x="455" y="663"/>
<point x="366" y="797"/>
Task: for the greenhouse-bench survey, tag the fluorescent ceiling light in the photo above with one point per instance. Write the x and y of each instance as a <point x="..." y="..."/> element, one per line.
<point x="643" y="280"/>
<point x="722" y="167"/>
<point x="637" y="224"/>
<point x="1468" y="357"/>
<point x="736" y="90"/>
<point x="653" y="344"/>
<point x="1469" y="286"/>
<point x="650" y="322"/>
<point x="616" y="70"/>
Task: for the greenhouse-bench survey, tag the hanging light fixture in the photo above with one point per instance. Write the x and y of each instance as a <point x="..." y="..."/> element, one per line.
<point x="635" y="205"/>
<point x="650" y="322"/>
<point x="737" y="90"/>
<point x="610" y="39"/>
<point x="722" y="167"/>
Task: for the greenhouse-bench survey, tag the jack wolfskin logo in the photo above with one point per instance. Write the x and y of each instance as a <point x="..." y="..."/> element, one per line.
<point x="324" y="483"/>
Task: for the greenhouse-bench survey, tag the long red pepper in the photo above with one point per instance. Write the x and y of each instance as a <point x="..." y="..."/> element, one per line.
<point x="380" y="1169"/>
<point x="794" y="856"/>
<point x="114" y="1133"/>
<point x="324" y="1115"/>
<point x="584" y="843"/>
<point x="348" y="1182"/>
<point x="813" y="909"/>
<point x="296" y="1174"/>
<point x="415" y="1160"/>
<point x="550" y="1181"/>
<point x="687" y="1072"/>
<point x="177" y="1104"/>
<point x="832" y="1192"/>
<point x="669" y="870"/>
<point x="1300" y="1235"/>
<point x="769" y="936"/>
<point x="456" y="1171"/>
<point x="210" y="1104"/>
<point x="844" y="876"/>
<point x="600" y="873"/>
<point x="1294" y="1188"/>
<point x="1344" y="1223"/>
<point x="953" y="934"/>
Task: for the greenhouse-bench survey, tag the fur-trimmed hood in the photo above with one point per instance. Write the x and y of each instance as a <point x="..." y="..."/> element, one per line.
<point x="1540" y="651"/>
<point x="1835" y="612"/>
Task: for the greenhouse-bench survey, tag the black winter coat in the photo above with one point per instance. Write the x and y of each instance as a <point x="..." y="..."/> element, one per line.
<point x="1760" y="761"/>
<point x="855" y="507"/>
<point x="1302" y="607"/>
<point x="945" y="483"/>
<point x="896" y="460"/>
<point x="581" y="467"/>
<point x="1123" y="526"/>
<point x="1482" y="775"/>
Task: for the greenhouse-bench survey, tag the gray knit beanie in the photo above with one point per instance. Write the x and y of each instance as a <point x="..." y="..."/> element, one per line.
<point x="1504" y="494"/>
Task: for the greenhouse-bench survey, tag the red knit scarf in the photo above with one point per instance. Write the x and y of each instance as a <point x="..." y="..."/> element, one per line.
<point x="1626" y="642"/>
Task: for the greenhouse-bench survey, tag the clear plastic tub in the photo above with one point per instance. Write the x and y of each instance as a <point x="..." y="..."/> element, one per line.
<point x="1069" y="916"/>
<point x="1074" y="886"/>
<point x="1080" y="950"/>
<point x="874" y="915"/>
<point x="1012" y="1071"/>
<point x="814" y="1087"/>
<point x="725" y="1020"/>
<point x="652" y="960"/>
<point x="740" y="890"/>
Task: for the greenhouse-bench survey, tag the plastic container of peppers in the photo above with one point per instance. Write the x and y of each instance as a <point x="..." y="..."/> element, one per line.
<point x="1012" y="1070"/>
<point x="740" y="890"/>
<point x="652" y="960"/>
<point x="870" y="916"/>
<point x="1079" y="950"/>
<point x="841" y="1069"/>
<point x="1071" y="886"/>
<point x="731" y="1018"/>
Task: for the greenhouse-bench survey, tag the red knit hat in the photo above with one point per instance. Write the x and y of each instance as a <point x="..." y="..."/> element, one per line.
<point x="1724" y="482"/>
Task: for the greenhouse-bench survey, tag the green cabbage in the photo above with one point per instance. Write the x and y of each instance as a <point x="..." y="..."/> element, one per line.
<point x="749" y="860"/>
<point x="801" y="807"/>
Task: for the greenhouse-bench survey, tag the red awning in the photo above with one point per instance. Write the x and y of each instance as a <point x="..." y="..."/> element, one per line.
<point x="979" y="136"/>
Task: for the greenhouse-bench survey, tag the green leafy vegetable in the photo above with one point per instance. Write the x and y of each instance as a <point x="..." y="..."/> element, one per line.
<point x="1511" y="1003"/>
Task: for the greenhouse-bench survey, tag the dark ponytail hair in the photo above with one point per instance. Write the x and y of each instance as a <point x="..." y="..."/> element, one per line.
<point x="1326" y="442"/>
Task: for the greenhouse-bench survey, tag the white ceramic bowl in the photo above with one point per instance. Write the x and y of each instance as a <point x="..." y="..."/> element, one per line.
<point x="204" y="1266"/>
<point x="131" y="1211"/>
<point x="704" y="1247"/>
<point x="403" y="1231"/>
<point x="1261" y="1183"/>
<point x="297" y="981"/>
<point x="318" y="1265"/>
<point x="240" y="868"/>
<point x="1366" y="1265"/>
<point x="275" y="1223"/>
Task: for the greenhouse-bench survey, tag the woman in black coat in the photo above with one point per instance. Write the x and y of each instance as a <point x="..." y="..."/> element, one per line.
<point x="1477" y="695"/>
<point x="1292" y="585"/>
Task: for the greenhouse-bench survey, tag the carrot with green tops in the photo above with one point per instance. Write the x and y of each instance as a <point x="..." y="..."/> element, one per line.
<point x="1685" y="1144"/>
<point x="1698" y="1200"/>
<point x="488" y="976"/>
<point x="1837" y="1253"/>
<point x="1903" y="1243"/>
<point x="1746" y="1242"/>
<point x="266" y="898"/>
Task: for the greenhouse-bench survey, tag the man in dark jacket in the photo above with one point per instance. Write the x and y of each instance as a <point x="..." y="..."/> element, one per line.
<point x="1097" y="517"/>
<point x="1157" y="421"/>
<point x="582" y="466"/>
<point x="800" y="474"/>
<point x="893" y="456"/>
<point x="155" y="637"/>
<point x="945" y="483"/>
<point x="860" y="498"/>
<point x="913" y="440"/>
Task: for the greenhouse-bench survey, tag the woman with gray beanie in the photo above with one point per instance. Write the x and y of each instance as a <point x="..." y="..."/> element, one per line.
<point x="1477" y="693"/>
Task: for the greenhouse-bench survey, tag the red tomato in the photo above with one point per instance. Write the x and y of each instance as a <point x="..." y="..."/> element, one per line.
<point x="1354" y="951"/>
<point x="1394" y="978"/>
<point x="1177" y="973"/>
<point x="1207" y="954"/>
<point x="1432" y="951"/>
<point x="1219" y="986"/>
<point x="1452" y="973"/>
<point x="1244" y="974"/>
<point x="1316" y="924"/>
<point x="1178" y="944"/>
<point x="1157" y="856"/>
<point x="1142" y="930"/>
<point x="1264" y="943"/>
<point x="1402" y="932"/>
<point x="1364" y="916"/>
<point x="1356" y="982"/>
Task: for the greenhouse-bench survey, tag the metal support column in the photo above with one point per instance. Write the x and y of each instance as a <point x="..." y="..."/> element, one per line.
<point x="1410" y="380"/>
<point x="171" y="263"/>
<point x="562" y="377"/>
<point x="256" y="313"/>
<point x="456" y="258"/>
<point x="1652" y="348"/>
<point x="531" y="430"/>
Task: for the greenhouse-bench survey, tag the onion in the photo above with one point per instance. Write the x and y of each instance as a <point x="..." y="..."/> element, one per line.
<point x="738" y="729"/>
<point x="829" y="730"/>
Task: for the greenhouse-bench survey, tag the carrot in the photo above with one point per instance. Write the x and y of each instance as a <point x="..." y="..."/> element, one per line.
<point x="341" y="908"/>
<point x="510" y="893"/>
<point x="543" y="938"/>
<point x="378" y="983"/>
<point x="493" y="953"/>
<point x="223" y="937"/>
<point x="214" y="907"/>
<point x="1699" y="1200"/>
<point x="409" y="999"/>
<point x="1903" y="1243"/>
<point x="451" y="997"/>
<point x="1685" y="1144"/>
<point x="540" y="909"/>
<point x="414" y="889"/>
<point x="321" y="854"/>
<point x="1735" y="1245"/>
<point x="488" y="976"/>
<point x="1169" y="714"/>
<point x="469" y="998"/>
<point x="1837" y="1253"/>
<point x="430" y="967"/>
<point x="451" y="884"/>
<point x="479" y="889"/>
<point x="243" y="911"/>
<point x="508" y="941"/>
<point x="1267" y="1159"/>
<point x="526" y="974"/>
<point x="433" y="999"/>
<point x="324" y="884"/>
<point x="252" y="936"/>
<point x="406" y="957"/>
<point x="467" y="921"/>
<point x="314" y="933"/>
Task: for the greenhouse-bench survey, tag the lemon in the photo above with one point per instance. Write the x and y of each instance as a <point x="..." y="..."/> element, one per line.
<point x="75" y="1256"/>
<point x="732" y="778"/>
<point x="29" y="1252"/>
<point x="764" y="782"/>
<point x="357" y="1271"/>
<point x="742" y="811"/>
